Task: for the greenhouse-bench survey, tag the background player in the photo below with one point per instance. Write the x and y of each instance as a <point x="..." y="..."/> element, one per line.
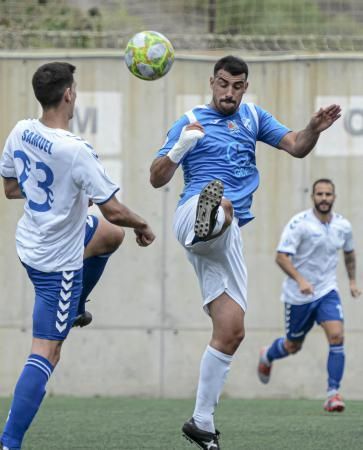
<point x="57" y="173"/>
<point x="215" y="144"/>
<point x="308" y="254"/>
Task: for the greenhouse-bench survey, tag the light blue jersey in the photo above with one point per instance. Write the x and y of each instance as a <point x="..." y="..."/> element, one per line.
<point x="226" y="152"/>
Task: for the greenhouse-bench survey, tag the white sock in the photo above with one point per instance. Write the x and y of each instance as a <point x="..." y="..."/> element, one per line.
<point x="214" y="368"/>
<point x="331" y="392"/>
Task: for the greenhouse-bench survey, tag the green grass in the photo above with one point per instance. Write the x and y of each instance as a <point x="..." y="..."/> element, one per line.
<point x="65" y="423"/>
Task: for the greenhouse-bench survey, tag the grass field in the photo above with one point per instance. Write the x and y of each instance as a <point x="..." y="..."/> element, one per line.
<point x="136" y="424"/>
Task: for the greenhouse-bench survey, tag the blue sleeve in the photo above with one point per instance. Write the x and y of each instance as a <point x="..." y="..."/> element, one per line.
<point x="173" y="136"/>
<point x="271" y="131"/>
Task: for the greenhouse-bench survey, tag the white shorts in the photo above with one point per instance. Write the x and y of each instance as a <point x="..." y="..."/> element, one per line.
<point x="219" y="262"/>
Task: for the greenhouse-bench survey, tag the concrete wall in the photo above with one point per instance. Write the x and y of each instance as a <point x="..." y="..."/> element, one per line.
<point x="149" y="330"/>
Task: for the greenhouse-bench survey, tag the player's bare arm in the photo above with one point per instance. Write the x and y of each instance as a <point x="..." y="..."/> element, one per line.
<point x="119" y="214"/>
<point x="284" y="261"/>
<point x="299" y="144"/>
<point x="12" y="189"/>
<point x="163" y="168"/>
<point x="350" y="264"/>
<point x="161" y="171"/>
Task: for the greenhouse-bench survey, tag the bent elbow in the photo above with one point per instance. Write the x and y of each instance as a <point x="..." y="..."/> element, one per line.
<point x="155" y="181"/>
<point x="9" y="194"/>
<point x="301" y="155"/>
<point x="296" y="153"/>
<point x="278" y="259"/>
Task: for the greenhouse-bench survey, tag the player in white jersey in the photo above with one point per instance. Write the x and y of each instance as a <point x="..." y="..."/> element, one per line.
<point x="57" y="174"/>
<point x="308" y="254"/>
<point x="215" y="145"/>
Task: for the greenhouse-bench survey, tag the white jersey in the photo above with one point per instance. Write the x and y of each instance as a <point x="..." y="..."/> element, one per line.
<point x="57" y="172"/>
<point x="313" y="247"/>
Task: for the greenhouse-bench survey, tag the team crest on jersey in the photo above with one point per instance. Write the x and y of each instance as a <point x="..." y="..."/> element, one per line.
<point x="232" y="126"/>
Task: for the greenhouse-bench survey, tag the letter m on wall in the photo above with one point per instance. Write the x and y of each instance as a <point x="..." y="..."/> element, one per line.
<point x="85" y="120"/>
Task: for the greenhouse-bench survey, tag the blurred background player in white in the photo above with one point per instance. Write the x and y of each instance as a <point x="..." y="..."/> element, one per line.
<point x="308" y="254"/>
<point x="57" y="173"/>
<point x="215" y="144"/>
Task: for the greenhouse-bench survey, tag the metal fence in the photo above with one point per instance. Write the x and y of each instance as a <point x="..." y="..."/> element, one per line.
<point x="256" y="25"/>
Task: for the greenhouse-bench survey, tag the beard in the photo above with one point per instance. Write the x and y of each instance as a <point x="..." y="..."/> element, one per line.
<point x="323" y="207"/>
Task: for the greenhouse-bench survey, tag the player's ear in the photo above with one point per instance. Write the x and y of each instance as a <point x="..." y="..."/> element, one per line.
<point x="246" y="85"/>
<point x="211" y="81"/>
<point x="68" y="95"/>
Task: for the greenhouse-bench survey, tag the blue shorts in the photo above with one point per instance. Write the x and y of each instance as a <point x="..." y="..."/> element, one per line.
<point x="57" y="296"/>
<point x="299" y="319"/>
<point x="91" y="227"/>
<point x="56" y="302"/>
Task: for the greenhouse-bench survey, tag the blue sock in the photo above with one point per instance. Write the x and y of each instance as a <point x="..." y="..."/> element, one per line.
<point x="93" y="268"/>
<point x="335" y="366"/>
<point x="28" y="395"/>
<point x="277" y="350"/>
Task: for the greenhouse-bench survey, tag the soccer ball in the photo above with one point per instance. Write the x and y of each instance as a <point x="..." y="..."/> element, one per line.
<point x="149" y="55"/>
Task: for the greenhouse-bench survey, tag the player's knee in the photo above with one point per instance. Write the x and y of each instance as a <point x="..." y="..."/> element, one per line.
<point x="336" y="339"/>
<point x="228" y="342"/>
<point x="114" y="239"/>
<point x="119" y="237"/>
<point x="51" y="352"/>
<point x="228" y="211"/>
<point x="236" y="338"/>
<point x="293" y="347"/>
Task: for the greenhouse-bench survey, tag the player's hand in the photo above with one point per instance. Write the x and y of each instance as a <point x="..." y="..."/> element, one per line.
<point x="354" y="290"/>
<point x="144" y="235"/>
<point x="324" y="118"/>
<point x="195" y="126"/>
<point x="305" y="287"/>
<point x="191" y="134"/>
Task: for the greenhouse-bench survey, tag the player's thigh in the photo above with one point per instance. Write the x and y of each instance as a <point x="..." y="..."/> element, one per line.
<point x="299" y="319"/>
<point x="330" y="308"/>
<point x="56" y="302"/>
<point x="102" y="238"/>
<point x="331" y="318"/>
<point x="227" y="316"/>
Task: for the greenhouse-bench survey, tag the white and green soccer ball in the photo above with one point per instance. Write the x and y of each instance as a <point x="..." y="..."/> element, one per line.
<point x="149" y="55"/>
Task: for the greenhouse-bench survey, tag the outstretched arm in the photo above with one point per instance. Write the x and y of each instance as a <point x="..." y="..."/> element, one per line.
<point x="349" y="260"/>
<point x="284" y="261"/>
<point x="300" y="143"/>
<point x="12" y="188"/>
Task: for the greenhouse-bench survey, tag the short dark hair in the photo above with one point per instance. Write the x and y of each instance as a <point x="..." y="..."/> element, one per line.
<point x="323" y="180"/>
<point x="232" y="65"/>
<point x="50" y="81"/>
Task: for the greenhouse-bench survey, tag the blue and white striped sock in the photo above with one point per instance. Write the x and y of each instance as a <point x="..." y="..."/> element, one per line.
<point x="335" y="367"/>
<point x="28" y="395"/>
<point x="277" y="350"/>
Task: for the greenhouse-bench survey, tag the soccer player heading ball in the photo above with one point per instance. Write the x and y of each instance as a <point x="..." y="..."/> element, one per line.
<point x="215" y="146"/>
